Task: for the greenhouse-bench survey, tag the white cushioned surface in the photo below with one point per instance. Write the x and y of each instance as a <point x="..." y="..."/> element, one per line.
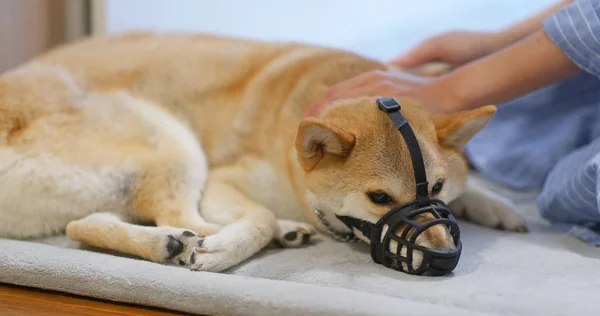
<point x="544" y="272"/>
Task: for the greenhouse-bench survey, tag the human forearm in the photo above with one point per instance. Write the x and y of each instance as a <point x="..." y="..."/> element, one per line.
<point x="528" y="26"/>
<point x="525" y="66"/>
<point x="459" y="47"/>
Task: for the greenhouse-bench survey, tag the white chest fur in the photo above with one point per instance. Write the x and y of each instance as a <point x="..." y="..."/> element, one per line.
<point x="272" y="189"/>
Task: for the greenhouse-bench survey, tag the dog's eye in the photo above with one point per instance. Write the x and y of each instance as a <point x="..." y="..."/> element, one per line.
<point x="380" y="198"/>
<point x="437" y="187"/>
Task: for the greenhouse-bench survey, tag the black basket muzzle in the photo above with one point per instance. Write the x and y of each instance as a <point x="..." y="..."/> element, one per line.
<point x="402" y="218"/>
<point x="435" y="262"/>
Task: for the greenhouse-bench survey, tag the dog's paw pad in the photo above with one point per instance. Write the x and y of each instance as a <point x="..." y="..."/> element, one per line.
<point x="181" y="248"/>
<point x="174" y="247"/>
<point x="294" y="234"/>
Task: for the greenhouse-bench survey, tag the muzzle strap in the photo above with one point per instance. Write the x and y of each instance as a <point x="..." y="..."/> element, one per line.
<point x="364" y="227"/>
<point x="392" y="108"/>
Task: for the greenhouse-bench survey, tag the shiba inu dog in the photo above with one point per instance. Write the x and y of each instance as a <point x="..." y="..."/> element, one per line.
<point x="193" y="150"/>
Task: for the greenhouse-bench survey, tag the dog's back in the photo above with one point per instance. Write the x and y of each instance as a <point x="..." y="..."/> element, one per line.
<point x="205" y="80"/>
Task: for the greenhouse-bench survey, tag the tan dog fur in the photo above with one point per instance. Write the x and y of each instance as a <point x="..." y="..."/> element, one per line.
<point x="204" y="134"/>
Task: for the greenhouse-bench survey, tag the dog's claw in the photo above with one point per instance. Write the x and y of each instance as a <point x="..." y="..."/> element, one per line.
<point x="200" y="250"/>
<point x="196" y="267"/>
<point x="303" y="231"/>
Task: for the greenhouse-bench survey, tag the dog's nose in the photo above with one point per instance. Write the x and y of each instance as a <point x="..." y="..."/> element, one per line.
<point x="440" y="266"/>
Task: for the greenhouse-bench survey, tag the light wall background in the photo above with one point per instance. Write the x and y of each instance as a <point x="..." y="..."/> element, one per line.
<point x="376" y="28"/>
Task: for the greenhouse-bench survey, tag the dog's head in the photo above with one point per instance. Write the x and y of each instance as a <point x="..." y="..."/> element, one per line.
<point x="357" y="163"/>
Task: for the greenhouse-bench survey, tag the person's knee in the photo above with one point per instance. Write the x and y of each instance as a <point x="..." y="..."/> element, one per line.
<point x="569" y="194"/>
<point x="550" y="208"/>
<point x="549" y="200"/>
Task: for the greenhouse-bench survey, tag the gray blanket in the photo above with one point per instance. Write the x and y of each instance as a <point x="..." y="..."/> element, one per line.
<point x="545" y="272"/>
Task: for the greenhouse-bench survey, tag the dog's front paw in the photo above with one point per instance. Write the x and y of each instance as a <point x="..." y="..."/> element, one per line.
<point x="213" y="256"/>
<point x="180" y="248"/>
<point x="211" y="262"/>
<point x="293" y="234"/>
<point x="185" y="248"/>
<point x="488" y="209"/>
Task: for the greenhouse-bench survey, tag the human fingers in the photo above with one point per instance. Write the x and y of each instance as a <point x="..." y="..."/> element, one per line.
<point x="424" y="52"/>
<point x="350" y="88"/>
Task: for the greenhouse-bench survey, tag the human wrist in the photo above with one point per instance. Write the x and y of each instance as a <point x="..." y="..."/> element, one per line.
<point x="454" y="93"/>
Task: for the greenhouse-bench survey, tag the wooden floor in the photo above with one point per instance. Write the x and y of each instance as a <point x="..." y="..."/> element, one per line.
<point x="21" y="301"/>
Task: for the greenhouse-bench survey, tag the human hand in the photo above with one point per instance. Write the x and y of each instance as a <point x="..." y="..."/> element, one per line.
<point x="455" y="48"/>
<point x="431" y="93"/>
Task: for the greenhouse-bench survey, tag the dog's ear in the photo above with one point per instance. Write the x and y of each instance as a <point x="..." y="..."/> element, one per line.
<point x="316" y="139"/>
<point x="455" y="130"/>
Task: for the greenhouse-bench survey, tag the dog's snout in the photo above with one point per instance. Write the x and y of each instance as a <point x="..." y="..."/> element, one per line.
<point x="437" y="237"/>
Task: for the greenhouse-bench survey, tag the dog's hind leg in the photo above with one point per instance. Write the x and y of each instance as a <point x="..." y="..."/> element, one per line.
<point x="172" y="171"/>
<point x="157" y="244"/>
<point x="168" y="192"/>
<point x="166" y="198"/>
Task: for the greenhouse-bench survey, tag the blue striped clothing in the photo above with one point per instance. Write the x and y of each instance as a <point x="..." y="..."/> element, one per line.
<point x="549" y="139"/>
